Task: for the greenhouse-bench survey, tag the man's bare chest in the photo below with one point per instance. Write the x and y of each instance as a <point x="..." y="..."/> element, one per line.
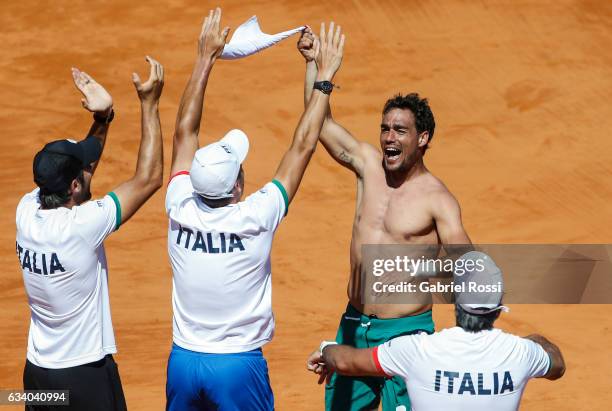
<point x="394" y="215"/>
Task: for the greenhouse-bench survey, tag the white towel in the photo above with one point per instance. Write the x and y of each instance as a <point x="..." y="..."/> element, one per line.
<point x="249" y="39"/>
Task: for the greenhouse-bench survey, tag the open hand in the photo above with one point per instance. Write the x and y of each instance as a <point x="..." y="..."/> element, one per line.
<point x="95" y="97"/>
<point x="306" y="44"/>
<point x="151" y="90"/>
<point x="329" y="48"/>
<point x="212" y="40"/>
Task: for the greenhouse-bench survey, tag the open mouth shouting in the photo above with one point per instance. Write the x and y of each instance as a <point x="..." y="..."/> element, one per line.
<point x="392" y="154"/>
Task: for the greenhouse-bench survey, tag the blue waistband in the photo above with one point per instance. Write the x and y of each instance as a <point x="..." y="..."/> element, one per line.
<point x="253" y="353"/>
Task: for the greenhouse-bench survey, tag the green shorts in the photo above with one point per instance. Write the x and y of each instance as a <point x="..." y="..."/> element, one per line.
<point x="365" y="393"/>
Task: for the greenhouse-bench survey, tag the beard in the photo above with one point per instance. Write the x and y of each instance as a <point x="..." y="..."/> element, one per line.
<point x="84" y="195"/>
<point x="87" y="195"/>
<point x="405" y="165"/>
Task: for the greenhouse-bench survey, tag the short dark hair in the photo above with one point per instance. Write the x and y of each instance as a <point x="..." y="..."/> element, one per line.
<point x="474" y="323"/>
<point x="50" y="200"/>
<point x="423" y="117"/>
<point x="216" y="202"/>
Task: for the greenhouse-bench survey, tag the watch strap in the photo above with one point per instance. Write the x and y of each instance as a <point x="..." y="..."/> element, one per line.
<point x="324" y="86"/>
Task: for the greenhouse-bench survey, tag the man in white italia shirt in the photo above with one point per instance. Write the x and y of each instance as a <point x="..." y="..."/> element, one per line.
<point x="219" y="245"/>
<point x="60" y="246"/>
<point x="472" y="366"/>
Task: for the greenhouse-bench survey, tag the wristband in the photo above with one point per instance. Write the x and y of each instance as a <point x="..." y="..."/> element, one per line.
<point x="326" y="344"/>
<point x="98" y="118"/>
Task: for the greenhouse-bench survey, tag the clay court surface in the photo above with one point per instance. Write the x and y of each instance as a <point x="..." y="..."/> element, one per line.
<point x="521" y="92"/>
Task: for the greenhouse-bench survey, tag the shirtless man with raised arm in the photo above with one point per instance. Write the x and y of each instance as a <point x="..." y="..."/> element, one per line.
<point x="398" y="202"/>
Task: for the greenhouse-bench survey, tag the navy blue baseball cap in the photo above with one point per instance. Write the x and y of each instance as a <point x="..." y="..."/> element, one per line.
<point x="61" y="161"/>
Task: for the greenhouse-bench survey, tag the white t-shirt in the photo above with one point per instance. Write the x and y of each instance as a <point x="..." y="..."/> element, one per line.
<point x="454" y="370"/>
<point x="64" y="269"/>
<point x="220" y="257"/>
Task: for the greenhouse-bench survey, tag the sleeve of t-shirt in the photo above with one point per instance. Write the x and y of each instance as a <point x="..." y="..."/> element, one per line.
<point x="179" y="188"/>
<point x="270" y="204"/>
<point x="536" y="359"/>
<point x="97" y="219"/>
<point x="396" y="356"/>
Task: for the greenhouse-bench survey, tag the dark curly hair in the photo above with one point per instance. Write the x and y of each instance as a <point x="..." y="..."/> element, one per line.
<point x="423" y="117"/>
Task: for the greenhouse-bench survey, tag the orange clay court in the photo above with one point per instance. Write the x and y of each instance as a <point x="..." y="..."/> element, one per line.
<point x="521" y="93"/>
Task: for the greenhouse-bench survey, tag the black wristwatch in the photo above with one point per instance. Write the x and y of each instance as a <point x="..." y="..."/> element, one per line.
<point x="99" y="118"/>
<point x="325" y="86"/>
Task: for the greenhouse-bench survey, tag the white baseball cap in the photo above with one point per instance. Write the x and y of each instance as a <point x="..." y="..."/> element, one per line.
<point x="215" y="167"/>
<point x="483" y="272"/>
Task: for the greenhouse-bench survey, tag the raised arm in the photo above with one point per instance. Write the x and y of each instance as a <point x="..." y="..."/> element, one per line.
<point x="328" y="54"/>
<point x="557" y="363"/>
<point x="338" y="142"/>
<point x="187" y="128"/>
<point x="147" y="179"/>
<point x="97" y="100"/>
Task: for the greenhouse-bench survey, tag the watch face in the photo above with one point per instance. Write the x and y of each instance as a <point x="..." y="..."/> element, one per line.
<point x="327" y="86"/>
